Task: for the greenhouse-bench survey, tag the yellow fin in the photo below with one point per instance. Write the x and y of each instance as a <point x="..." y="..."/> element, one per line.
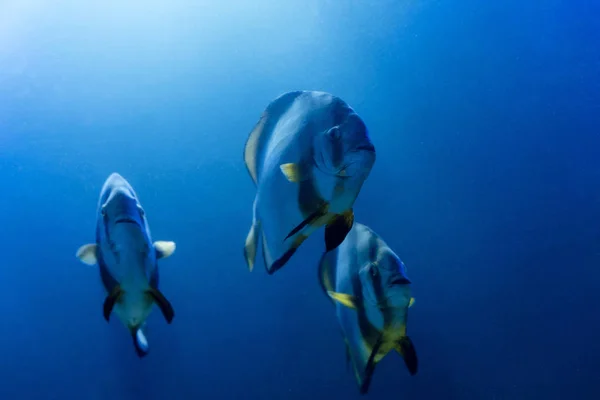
<point x="87" y="254"/>
<point x="345" y="299"/>
<point x="163" y="248"/>
<point x="411" y="302"/>
<point x="292" y="172"/>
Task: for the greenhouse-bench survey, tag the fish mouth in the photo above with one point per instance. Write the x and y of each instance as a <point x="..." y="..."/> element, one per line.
<point x="399" y="281"/>
<point x="365" y="147"/>
<point x="126" y="220"/>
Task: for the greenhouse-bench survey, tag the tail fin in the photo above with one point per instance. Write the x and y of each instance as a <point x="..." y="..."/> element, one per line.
<point x="140" y="342"/>
<point x="406" y="348"/>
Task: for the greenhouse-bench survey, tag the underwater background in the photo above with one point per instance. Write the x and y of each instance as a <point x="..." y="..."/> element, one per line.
<point x="485" y="117"/>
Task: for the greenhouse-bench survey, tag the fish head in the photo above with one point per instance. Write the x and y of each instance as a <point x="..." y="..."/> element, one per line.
<point x="384" y="283"/>
<point x="122" y="223"/>
<point x="343" y="157"/>
<point x="119" y="202"/>
<point x="344" y="150"/>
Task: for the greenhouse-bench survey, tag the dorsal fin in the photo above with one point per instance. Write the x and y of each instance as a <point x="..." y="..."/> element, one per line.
<point x="252" y="145"/>
<point x="255" y="139"/>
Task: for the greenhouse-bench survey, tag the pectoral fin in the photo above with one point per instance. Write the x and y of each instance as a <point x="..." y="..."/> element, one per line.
<point x="293" y="172"/>
<point x="345" y="299"/>
<point x="337" y="229"/>
<point x="110" y="301"/>
<point x="407" y="350"/>
<point x="87" y="254"/>
<point x="250" y="246"/>
<point x="165" y="307"/>
<point x="411" y="302"/>
<point x="164" y="249"/>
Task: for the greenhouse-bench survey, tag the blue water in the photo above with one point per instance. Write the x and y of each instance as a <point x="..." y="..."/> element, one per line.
<point x="485" y="116"/>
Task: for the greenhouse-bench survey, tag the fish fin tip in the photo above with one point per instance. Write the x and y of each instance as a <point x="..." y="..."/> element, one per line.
<point x="163" y="304"/>
<point x="370" y="367"/>
<point x="250" y="246"/>
<point x="343" y="298"/>
<point x="87" y="254"/>
<point x="337" y="229"/>
<point x="140" y="343"/>
<point x="164" y="248"/>
<point x="281" y="261"/>
<point x="109" y="302"/>
<point x="411" y="302"/>
<point x="407" y="350"/>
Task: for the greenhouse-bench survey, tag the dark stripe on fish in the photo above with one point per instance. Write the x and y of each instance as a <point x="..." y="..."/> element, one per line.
<point x="367" y="330"/>
<point x="309" y="198"/>
<point x="373" y="247"/>
<point x="382" y="300"/>
<point x="107" y="280"/>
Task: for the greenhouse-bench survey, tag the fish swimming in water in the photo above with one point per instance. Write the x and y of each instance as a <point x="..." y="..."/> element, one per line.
<point x="308" y="155"/>
<point x="371" y="291"/>
<point x="127" y="259"/>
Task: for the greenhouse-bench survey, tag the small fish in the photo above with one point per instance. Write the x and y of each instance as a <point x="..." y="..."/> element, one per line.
<point x="127" y="259"/>
<point x="371" y="291"/>
<point x="308" y="155"/>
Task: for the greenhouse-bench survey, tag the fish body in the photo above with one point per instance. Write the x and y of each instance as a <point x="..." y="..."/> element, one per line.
<point x="369" y="286"/>
<point x="127" y="259"/>
<point x="308" y="155"/>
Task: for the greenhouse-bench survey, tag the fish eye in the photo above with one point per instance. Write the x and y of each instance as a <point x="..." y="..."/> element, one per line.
<point x="373" y="271"/>
<point x="334" y="133"/>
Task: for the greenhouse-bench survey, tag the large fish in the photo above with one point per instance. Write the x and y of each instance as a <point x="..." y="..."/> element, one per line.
<point x="309" y="155"/>
<point x="127" y="259"/>
<point x="371" y="292"/>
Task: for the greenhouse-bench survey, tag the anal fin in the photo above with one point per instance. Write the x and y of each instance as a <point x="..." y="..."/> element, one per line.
<point x="337" y="229"/>
<point x="110" y="301"/>
<point x="407" y="350"/>
<point x="161" y="301"/>
<point x="370" y="367"/>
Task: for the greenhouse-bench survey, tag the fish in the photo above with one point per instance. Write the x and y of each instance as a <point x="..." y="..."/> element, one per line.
<point x="368" y="284"/>
<point x="127" y="260"/>
<point x="308" y="156"/>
